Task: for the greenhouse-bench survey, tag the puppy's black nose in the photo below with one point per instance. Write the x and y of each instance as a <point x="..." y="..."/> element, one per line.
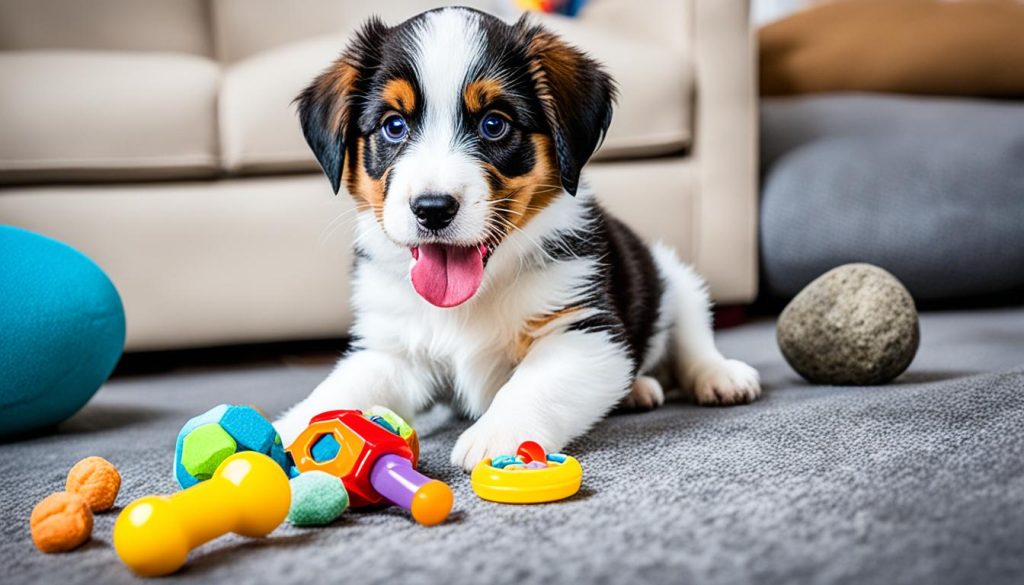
<point x="434" y="211"/>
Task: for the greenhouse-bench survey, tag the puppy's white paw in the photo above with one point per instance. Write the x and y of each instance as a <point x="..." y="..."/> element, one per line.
<point x="646" y="394"/>
<point x="488" y="438"/>
<point x="725" y="382"/>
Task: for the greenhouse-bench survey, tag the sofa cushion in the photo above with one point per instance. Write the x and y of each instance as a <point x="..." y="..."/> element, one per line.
<point x="104" y="115"/>
<point x="181" y="26"/>
<point x="929" y="189"/>
<point x="965" y="48"/>
<point x="244" y="28"/>
<point x="259" y="127"/>
<point x="260" y="130"/>
<point x="655" y="82"/>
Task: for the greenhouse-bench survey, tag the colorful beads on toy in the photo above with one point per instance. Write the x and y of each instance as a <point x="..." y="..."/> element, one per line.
<point x="530" y="477"/>
<point x="96" y="480"/>
<point x="318" y="499"/>
<point x="205" y="441"/>
<point x="502" y="461"/>
<point x="531" y="451"/>
<point x="61" y="522"/>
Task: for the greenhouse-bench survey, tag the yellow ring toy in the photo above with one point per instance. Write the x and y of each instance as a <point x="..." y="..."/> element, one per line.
<point x="515" y="483"/>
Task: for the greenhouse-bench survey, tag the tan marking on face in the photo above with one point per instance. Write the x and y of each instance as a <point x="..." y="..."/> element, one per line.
<point x="558" y="60"/>
<point x="367" y="191"/>
<point x="339" y="80"/>
<point x="399" y="94"/>
<point x="535" y="329"/>
<point x="523" y="197"/>
<point x="481" y="93"/>
<point x="554" y="67"/>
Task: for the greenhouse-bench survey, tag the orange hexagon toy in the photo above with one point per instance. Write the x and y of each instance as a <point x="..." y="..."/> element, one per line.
<point x="375" y="455"/>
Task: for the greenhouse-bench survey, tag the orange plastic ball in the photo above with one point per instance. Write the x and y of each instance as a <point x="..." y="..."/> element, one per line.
<point x="96" y="480"/>
<point x="61" y="522"/>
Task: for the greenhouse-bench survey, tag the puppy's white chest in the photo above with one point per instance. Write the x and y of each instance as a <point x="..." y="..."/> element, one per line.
<point x="471" y="346"/>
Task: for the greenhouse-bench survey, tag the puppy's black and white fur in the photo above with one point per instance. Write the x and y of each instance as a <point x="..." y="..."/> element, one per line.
<point x="485" y="272"/>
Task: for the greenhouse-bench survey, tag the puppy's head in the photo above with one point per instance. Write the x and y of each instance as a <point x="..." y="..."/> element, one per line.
<point x="455" y="129"/>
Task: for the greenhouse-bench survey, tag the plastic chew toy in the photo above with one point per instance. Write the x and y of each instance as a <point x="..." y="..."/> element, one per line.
<point x="248" y="495"/>
<point x="531" y="476"/>
<point x="375" y="456"/>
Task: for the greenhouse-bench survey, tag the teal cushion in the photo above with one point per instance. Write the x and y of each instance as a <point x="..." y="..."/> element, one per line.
<point x="61" y="330"/>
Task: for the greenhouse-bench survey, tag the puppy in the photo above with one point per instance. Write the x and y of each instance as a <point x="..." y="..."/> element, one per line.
<point x="485" y="273"/>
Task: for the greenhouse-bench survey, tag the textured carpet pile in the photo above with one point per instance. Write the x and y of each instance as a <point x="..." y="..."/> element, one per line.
<point x="919" y="481"/>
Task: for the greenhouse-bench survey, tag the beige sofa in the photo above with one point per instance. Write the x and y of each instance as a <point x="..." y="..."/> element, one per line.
<point x="159" y="138"/>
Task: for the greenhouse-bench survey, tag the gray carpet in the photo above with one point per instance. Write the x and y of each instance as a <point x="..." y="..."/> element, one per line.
<point x="921" y="481"/>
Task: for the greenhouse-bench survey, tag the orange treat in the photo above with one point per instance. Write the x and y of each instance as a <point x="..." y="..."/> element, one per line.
<point x="61" y="522"/>
<point x="96" y="480"/>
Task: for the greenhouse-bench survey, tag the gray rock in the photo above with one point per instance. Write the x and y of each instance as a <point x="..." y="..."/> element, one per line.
<point x="854" y="325"/>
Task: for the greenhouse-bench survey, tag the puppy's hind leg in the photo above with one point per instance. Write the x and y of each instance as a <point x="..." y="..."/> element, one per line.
<point x="645" y="394"/>
<point x="361" y="379"/>
<point x="702" y="369"/>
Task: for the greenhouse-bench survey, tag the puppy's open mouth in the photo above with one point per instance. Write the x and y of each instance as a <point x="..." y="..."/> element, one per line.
<point x="447" y="275"/>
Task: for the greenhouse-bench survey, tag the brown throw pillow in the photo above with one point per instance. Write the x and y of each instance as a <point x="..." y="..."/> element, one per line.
<point x="962" y="48"/>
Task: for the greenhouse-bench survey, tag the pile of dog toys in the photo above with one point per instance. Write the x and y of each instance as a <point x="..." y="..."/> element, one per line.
<point x="238" y="477"/>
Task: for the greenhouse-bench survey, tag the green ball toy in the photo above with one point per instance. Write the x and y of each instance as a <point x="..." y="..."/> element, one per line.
<point x="208" y="439"/>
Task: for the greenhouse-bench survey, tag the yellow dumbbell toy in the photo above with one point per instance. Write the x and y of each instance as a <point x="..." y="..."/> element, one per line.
<point x="248" y="495"/>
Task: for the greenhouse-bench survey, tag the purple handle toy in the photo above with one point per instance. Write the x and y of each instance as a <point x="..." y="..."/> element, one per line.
<point x="429" y="500"/>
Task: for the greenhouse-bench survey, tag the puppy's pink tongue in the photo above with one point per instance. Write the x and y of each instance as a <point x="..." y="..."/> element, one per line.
<point x="447" y="276"/>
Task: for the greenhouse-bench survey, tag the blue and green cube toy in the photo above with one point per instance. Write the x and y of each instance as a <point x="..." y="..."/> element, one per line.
<point x="208" y="439"/>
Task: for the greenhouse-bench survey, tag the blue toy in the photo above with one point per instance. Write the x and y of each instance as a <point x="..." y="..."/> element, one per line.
<point x="61" y="330"/>
<point x="210" y="438"/>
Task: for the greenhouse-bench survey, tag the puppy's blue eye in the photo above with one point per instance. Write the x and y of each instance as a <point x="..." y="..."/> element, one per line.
<point x="394" y="128"/>
<point x="494" y="127"/>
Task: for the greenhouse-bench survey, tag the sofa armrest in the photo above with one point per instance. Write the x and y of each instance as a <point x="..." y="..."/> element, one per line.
<point x="725" y="149"/>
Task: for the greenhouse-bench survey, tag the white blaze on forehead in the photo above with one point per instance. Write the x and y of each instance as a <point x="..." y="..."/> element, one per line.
<point x="449" y="46"/>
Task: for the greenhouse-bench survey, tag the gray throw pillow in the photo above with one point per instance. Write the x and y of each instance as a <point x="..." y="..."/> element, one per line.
<point x="931" y="189"/>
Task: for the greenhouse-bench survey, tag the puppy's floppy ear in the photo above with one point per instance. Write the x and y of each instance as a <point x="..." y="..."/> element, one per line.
<point x="329" y="106"/>
<point x="576" y="95"/>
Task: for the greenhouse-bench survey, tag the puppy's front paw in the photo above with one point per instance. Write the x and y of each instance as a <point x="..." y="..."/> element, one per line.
<point x="487" y="438"/>
<point x="724" y="382"/>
